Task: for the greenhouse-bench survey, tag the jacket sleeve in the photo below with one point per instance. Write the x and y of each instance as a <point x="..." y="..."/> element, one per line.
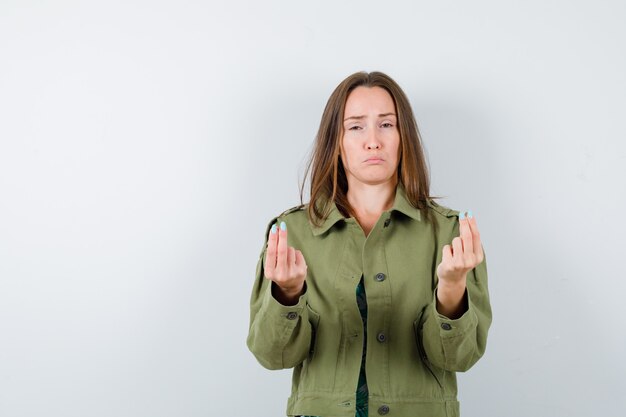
<point x="279" y="336"/>
<point x="456" y="345"/>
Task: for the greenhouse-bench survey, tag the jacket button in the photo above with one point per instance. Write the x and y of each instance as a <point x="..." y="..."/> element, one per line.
<point x="292" y="315"/>
<point x="380" y="277"/>
<point x="446" y="326"/>
<point x="383" y="409"/>
<point x="381" y="337"/>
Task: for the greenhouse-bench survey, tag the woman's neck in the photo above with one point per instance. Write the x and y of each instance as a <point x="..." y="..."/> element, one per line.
<point x="369" y="201"/>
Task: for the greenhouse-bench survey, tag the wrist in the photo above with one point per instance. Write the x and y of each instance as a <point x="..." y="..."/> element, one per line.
<point x="451" y="300"/>
<point x="452" y="287"/>
<point x="287" y="296"/>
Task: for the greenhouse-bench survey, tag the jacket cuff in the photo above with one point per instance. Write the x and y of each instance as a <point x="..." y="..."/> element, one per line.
<point x="449" y="328"/>
<point x="288" y="315"/>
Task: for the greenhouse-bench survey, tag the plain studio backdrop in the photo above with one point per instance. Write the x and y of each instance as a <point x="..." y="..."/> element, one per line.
<point x="146" y="144"/>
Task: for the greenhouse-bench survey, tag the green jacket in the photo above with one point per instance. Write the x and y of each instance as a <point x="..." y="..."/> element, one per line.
<point x="413" y="351"/>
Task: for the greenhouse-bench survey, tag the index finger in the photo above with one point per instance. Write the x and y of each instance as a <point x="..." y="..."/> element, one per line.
<point x="270" y="253"/>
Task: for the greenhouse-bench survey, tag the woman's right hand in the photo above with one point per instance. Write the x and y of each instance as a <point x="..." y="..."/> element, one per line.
<point x="285" y="266"/>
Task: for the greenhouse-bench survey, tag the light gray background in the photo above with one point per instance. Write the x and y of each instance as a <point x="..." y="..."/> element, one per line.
<point x="145" y="145"/>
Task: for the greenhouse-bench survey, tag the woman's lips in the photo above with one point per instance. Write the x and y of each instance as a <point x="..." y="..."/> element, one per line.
<point x="374" y="160"/>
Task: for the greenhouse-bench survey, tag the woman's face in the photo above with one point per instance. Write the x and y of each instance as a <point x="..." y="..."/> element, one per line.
<point x="370" y="141"/>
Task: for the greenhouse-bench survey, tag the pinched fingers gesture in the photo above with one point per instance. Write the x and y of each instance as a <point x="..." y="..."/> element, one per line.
<point x="464" y="254"/>
<point x="284" y="265"/>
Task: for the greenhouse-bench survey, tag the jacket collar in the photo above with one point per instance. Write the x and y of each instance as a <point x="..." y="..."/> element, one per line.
<point x="401" y="204"/>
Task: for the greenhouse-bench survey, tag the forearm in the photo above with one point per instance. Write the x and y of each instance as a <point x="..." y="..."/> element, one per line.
<point x="279" y="335"/>
<point x="455" y="344"/>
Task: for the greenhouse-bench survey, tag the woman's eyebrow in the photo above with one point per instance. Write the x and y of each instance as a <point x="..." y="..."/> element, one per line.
<point x="354" y="117"/>
<point x="362" y="117"/>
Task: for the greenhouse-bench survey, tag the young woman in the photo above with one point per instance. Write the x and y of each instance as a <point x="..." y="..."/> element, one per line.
<point x="373" y="293"/>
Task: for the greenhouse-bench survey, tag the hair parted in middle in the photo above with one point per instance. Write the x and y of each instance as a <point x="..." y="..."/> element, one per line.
<point x="328" y="177"/>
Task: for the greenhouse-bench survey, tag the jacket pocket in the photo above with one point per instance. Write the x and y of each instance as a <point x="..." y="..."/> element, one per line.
<point x="314" y="320"/>
<point x="417" y="326"/>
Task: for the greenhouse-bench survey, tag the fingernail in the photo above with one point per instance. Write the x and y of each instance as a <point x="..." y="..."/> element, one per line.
<point x="274" y="228"/>
<point x="469" y="214"/>
<point x="283" y="226"/>
<point x="462" y="215"/>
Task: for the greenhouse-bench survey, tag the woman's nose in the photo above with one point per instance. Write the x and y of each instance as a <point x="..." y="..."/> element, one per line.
<point x="372" y="140"/>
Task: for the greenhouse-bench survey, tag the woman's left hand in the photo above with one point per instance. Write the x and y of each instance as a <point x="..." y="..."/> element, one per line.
<point x="465" y="253"/>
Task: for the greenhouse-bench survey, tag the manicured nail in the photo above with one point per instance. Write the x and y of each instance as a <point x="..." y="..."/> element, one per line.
<point x="274" y="228"/>
<point x="469" y="214"/>
<point x="283" y="226"/>
<point x="462" y="215"/>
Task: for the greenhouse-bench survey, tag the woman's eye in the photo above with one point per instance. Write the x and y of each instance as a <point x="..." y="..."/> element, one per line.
<point x="387" y="124"/>
<point x="355" y="128"/>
